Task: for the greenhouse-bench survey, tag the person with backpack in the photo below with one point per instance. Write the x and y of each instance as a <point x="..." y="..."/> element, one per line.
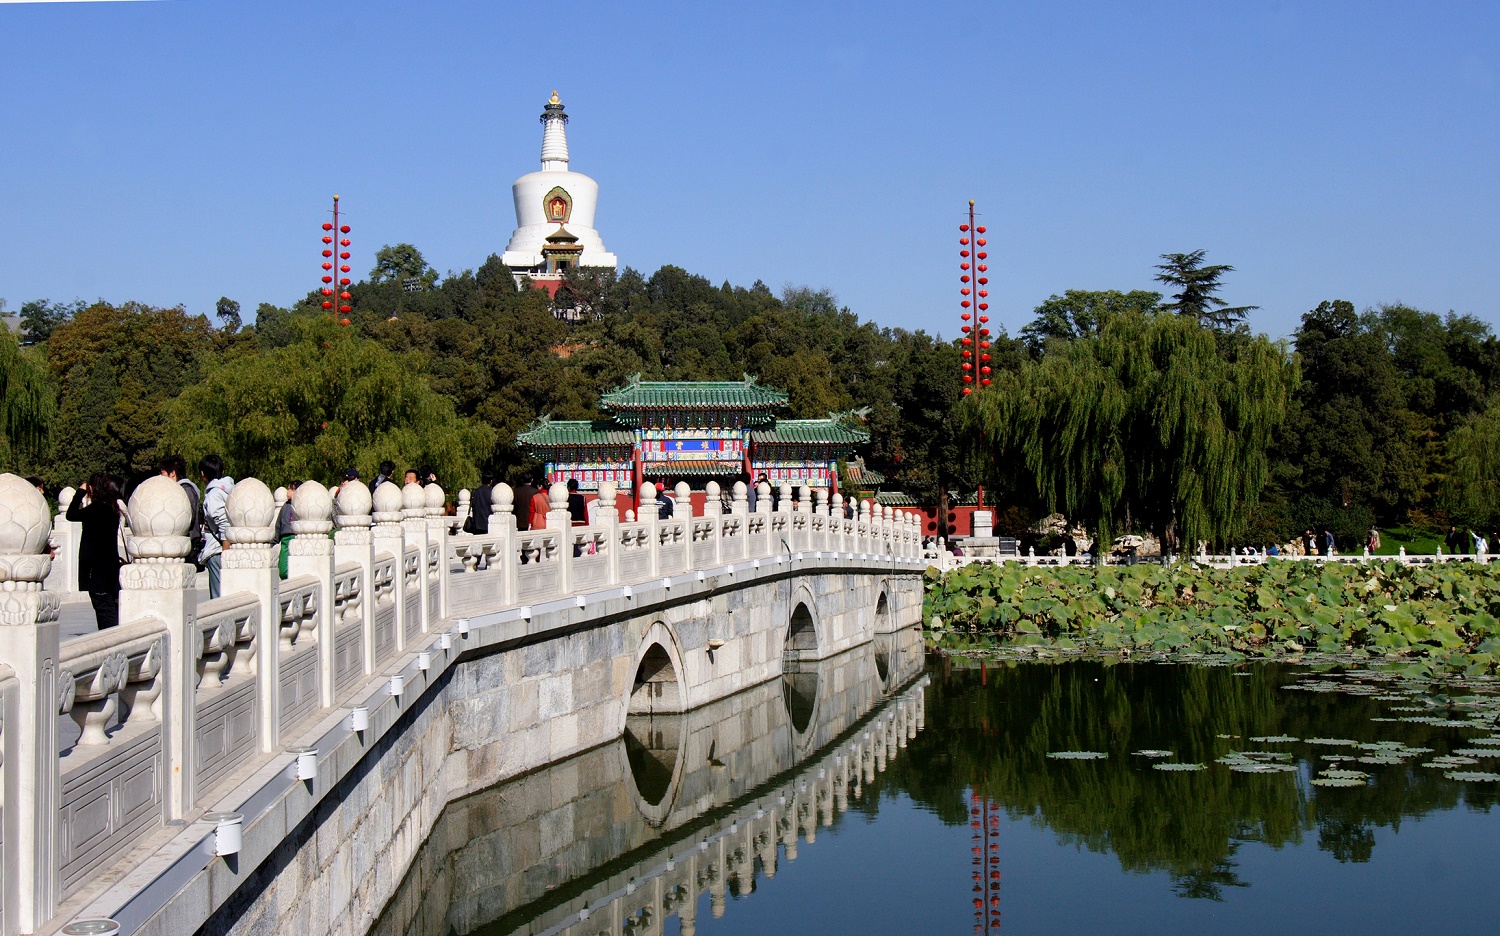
<point x="216" y="488"/>
<point x="175" y="467"/>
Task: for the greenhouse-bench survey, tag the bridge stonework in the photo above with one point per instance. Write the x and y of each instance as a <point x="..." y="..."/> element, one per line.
<point x="272" y="760"/>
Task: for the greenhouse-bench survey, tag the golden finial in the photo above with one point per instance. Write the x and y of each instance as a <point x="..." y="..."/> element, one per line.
<point x="554" y="99"/>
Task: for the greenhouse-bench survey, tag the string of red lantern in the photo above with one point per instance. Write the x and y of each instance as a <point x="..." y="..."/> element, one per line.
<point x="332" y="230"/>
<point x="975" y="337"/>
<point x="984" y="820"/>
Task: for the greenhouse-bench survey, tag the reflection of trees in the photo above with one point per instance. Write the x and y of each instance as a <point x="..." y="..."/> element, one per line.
<point x="993" y="732"/>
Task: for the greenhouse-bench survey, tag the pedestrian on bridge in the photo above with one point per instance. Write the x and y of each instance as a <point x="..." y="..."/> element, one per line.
<point x="99" y="554"/>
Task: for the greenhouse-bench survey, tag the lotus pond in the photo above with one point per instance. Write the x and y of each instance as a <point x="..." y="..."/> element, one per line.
<point x="970" y="793"/>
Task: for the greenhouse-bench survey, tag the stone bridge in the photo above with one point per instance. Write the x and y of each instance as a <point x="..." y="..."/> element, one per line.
<point x="272" y="760"/>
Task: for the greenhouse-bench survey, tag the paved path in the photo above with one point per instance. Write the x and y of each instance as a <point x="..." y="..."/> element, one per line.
<point x="76" y="618"/>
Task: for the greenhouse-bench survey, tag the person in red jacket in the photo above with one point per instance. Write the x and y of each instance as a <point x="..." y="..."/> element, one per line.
<point x="540" y="504"/>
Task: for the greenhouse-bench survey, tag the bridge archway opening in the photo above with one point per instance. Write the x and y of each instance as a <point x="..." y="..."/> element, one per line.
<point x="799" y="690"/>
<point x="801" y="635"/>
<point x="657" y="687"/>
<point x="882" y="615"/>
<point x="652" y="750"/>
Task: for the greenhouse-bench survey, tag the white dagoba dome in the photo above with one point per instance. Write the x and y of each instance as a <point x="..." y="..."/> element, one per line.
<point x="554" y="198"/>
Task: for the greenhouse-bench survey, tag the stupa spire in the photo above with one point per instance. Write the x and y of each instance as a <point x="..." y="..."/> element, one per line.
<point x="554" y="136"/>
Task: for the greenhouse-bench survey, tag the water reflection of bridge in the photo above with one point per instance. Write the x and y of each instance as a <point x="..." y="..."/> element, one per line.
<point x="615" y="840"/>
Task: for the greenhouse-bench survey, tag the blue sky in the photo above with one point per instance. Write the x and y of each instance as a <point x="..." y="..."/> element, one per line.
<point x="175" y="151"/>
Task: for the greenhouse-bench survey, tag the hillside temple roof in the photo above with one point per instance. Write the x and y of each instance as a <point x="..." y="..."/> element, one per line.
<point x="745" y="394"/>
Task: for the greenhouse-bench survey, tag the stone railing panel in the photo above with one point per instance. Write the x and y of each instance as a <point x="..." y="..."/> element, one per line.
<point x="672" y="546"/>
<point x="540" y="571"/>
<point x="411" y="574"/>
<point x="634" y="540"/>
<point x="227" y="724"/>
<point x="476" y="580"/>
<point x="112" y="788"/>
<point x="591" y="547"/>
<point x="732" y="537"/>
<point x="383" y="608"/>
<point x="348" y="626"/>
<point x="299" y="694"/>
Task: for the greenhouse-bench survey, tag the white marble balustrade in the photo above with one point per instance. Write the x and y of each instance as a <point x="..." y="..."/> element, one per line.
<point x="106" y="737"/>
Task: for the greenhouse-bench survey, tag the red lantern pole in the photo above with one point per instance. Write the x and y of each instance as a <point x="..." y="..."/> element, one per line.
<point x="335" y="289"/>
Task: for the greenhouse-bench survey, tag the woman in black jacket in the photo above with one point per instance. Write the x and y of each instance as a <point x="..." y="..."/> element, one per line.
<point x="98" y="547"/>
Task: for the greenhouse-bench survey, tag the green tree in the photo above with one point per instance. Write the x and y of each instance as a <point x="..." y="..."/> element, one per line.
<point x="1080" y="313"/>
<point x="228" y="313"/>
<point x="118" y="368"/>
<point x="41" y="317"/>
<point x="1198" y="287"/>
<point x="1147" y="424"/>
<point x="400" y="263"/>
<point x="1472" y="490"/>
<point x="28" y="405"/>
<point x="326" y="402"/>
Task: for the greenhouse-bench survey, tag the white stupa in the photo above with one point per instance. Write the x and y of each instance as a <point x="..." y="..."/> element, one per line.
<point x="555" y="212"/>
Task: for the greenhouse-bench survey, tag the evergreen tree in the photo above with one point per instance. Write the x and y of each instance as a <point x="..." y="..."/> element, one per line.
<point x="1198" y="287"/>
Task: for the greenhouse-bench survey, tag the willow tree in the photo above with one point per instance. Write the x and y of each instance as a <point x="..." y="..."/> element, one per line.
<point x="28" y="404"/>
<point x="325" y="403"/>
<point x="1472" y="489"/>
<point x="1145" y="426"/>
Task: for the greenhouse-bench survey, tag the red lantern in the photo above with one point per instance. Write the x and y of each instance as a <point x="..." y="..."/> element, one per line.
<point x="344" y="281"/>
<point x="327" y="279"/>
<point x="964" y="303"/>
<point x="984" y="280"/>
<point x="963" y="266"/>
<point x="963" y="242"/>
<point x="985" y="382"/>
<point x="326" y="291"/>
<point x="344" y="268"/>
<point x="327" y="266"/>
<point x="968" y="378"/>
<point x="963" y="253"/>
<point x="967" y="391"/>
<point x="327" y="226"/>
<point x="984" y="305"/>
<point x="344" y="295"/>
<point x="344" y="309"/>
<point x="327" y="240"/>
<point x="344" y="255"/>
<point x="983" y="268"/>
<point x="344" y="322"/>
<point x="984" y="344"/>
<point x="984" y="370"/>
<point x="984" y="357"/>
<point x="964" y="278"/>
<point x="982" y="255"/>
<point x="344" y="242"/>
<point x="964" y="291"/>
<point x="964" y="328"/>
<point x="966" y="340"/>
<point x="980" y="242"/>
<point x="327" y="253"/>
<point x="984" y="318"/>
<point x="968" y="366"/>
<point x="983" y="293"/>
<point x="967" y="353"/>
<point x="344" y="229"/>
<point x="963" y="227"/>
<point x="978" y="230"/>
<point x="327" y="304"/>
<point x="965" y="316"/>
<point x="984" y="332"/>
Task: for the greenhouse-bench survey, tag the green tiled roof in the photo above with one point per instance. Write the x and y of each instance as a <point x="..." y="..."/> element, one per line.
<point x="548" y="433"/>
<point x="694" y="394"/>
<point x="810" y="432"/>
<point x="857" y="473"/>
<point x="896" y="499"/>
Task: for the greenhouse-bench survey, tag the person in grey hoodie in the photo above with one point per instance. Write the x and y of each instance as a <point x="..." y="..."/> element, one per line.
<point x="216" y="488"/>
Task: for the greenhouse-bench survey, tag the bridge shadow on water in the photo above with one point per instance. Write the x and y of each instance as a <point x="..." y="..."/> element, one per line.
<point x="618" y="838"/>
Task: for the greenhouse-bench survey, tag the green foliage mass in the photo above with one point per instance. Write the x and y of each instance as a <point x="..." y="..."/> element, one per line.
<point x="1147" y="423"/>
<point x="327" y="402"/>
<point x="28" y="404"/>
<point x="1443" y="617"/>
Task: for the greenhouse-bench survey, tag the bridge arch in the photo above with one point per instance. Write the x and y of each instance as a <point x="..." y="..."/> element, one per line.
<point x="658" y="682"/>
<point x="803" y="634"/>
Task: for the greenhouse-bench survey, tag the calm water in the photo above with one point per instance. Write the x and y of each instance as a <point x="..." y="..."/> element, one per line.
<point x="884" y="793"/>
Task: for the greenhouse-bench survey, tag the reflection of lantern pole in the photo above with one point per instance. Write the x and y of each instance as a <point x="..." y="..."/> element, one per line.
<point x="975" y="292"/>
<point x="339" y="281"/>
<point x="984" y="819"/>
